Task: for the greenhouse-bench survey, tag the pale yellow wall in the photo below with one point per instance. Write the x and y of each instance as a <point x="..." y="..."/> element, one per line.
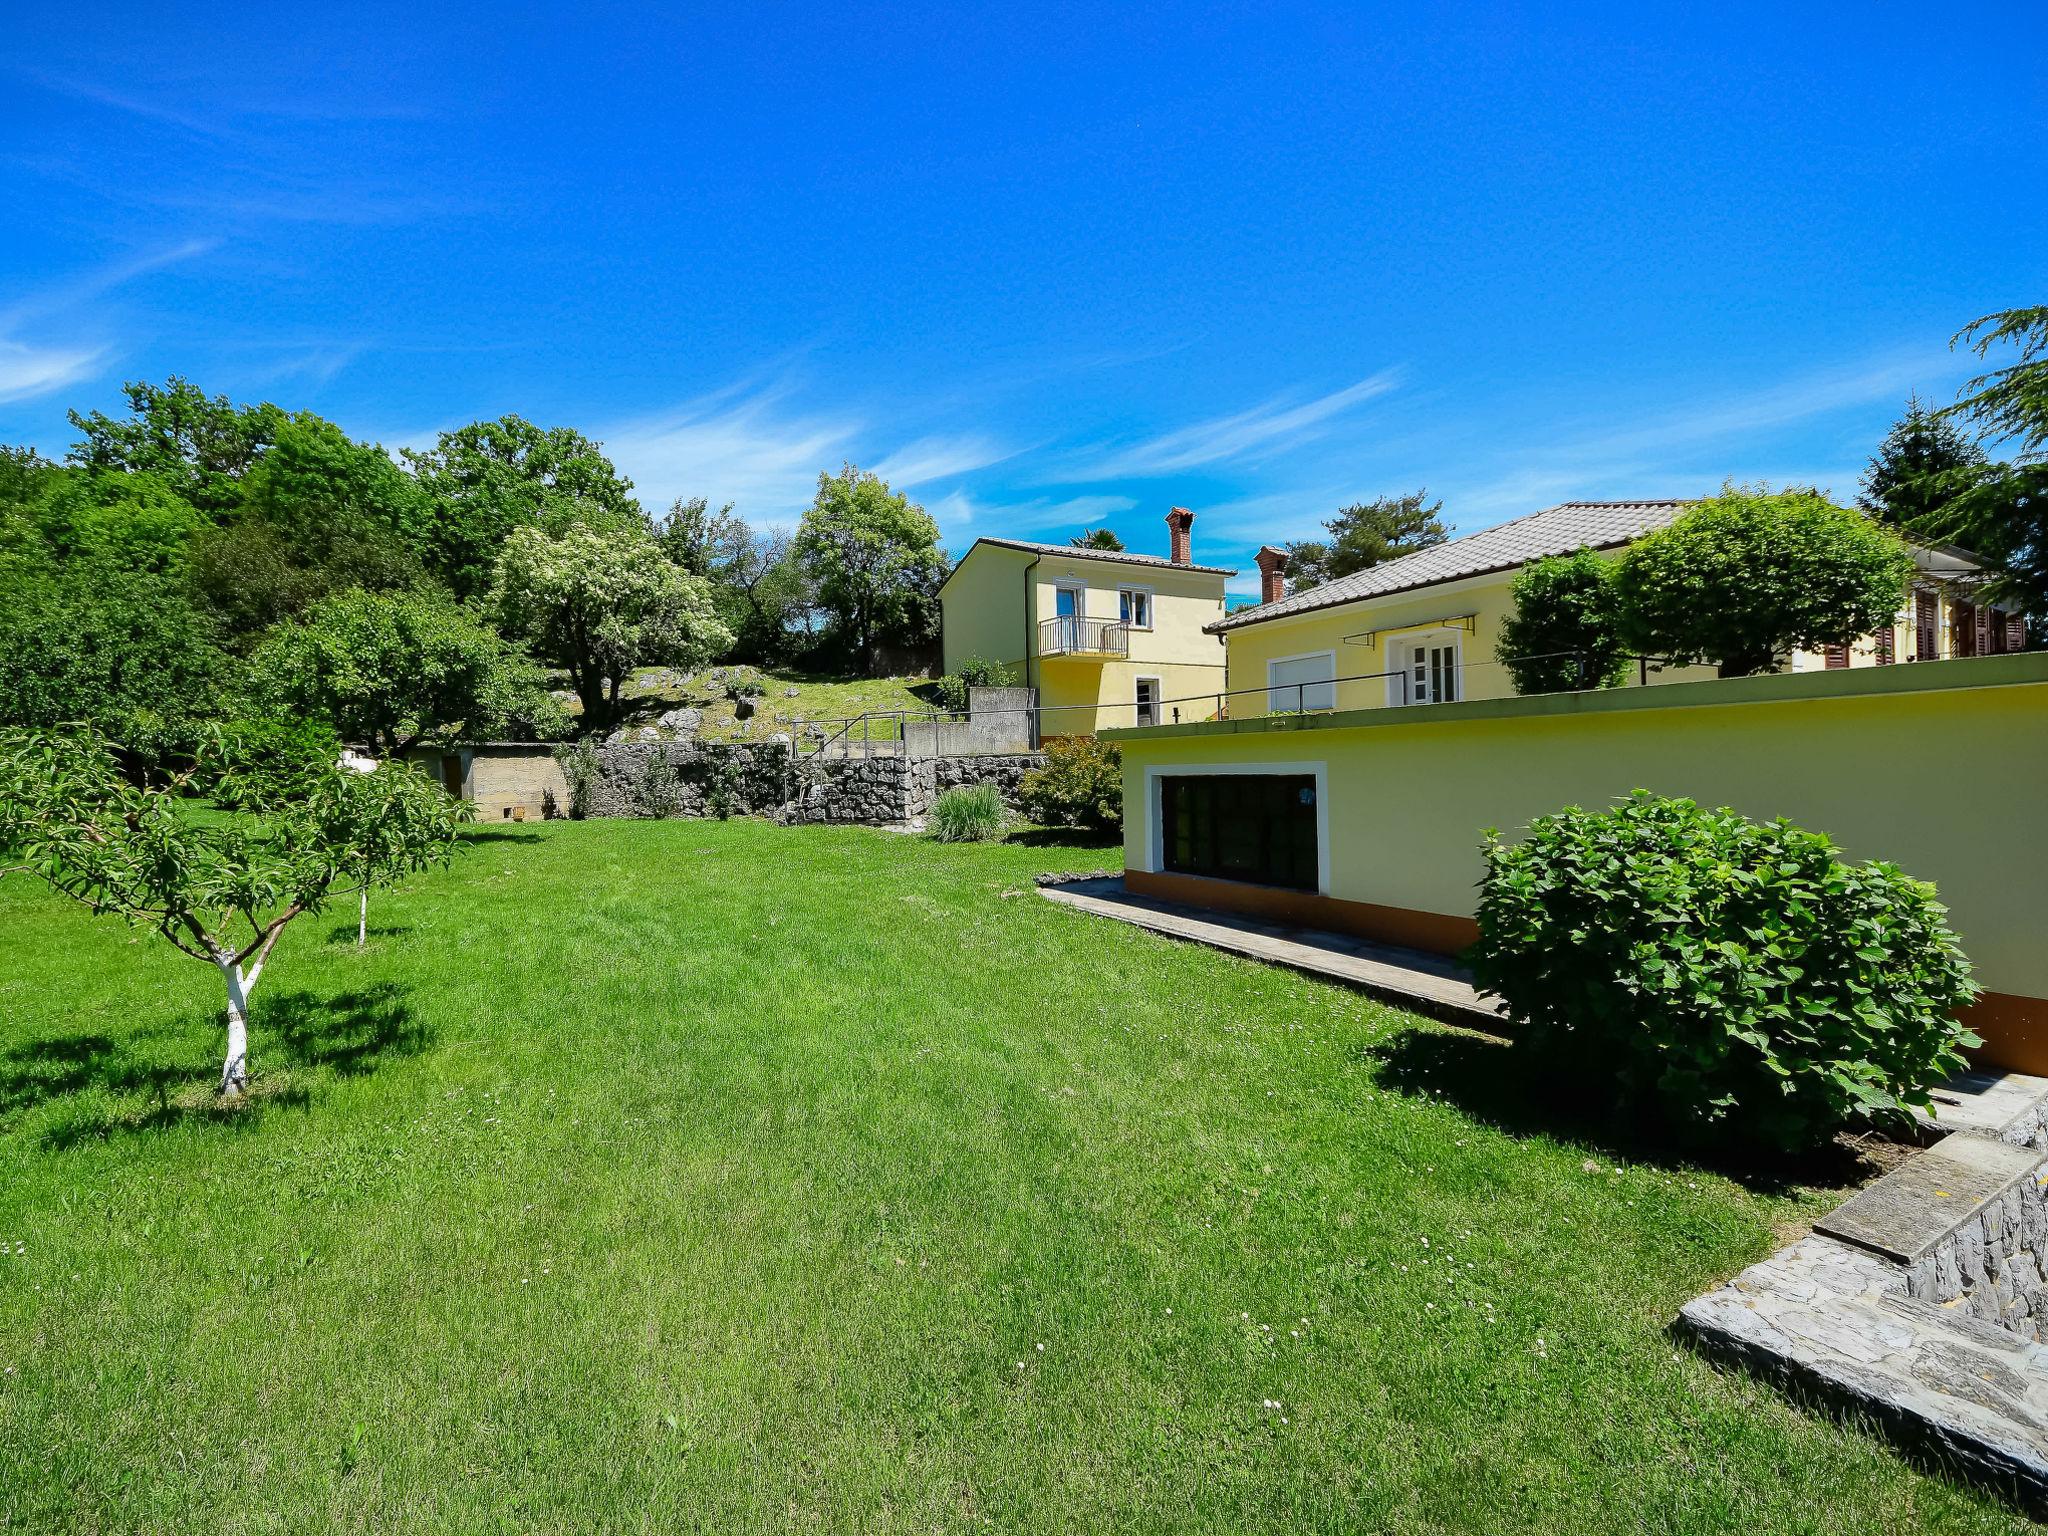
<point x="1936" y="768"/>
<point x="1486" y="600"/>
<point x="991" y="605"/>
<point x="1182" y="602"/>
<point x="983" y="608"/>
<point x="1078" y="696"/>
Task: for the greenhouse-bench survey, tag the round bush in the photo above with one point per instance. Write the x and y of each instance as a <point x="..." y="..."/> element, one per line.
<point x="1081" y="785"/>
<point x="1735" y="976"/>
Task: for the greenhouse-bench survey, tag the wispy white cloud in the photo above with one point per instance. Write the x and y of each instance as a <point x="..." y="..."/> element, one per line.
<point x="29" y="367"/>
<point x="740" y="445"/>
<point x="1691" y="448"/>
<point x="961" y="517"/>
<point x="71" y="292"/>
<point x="940" y="458"/>
<point x="27" y="371"/>
<point x="1274" y="426"/>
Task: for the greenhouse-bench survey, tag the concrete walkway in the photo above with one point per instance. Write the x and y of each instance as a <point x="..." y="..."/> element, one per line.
<point x="1409" y="978"/>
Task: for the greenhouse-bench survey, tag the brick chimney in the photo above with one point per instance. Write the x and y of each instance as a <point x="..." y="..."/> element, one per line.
<point x="1181" y="520"/>
<point x="1272" y="574"/>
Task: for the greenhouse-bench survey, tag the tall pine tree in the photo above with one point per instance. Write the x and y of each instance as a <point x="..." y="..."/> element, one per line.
<point x="1923" y="464"/>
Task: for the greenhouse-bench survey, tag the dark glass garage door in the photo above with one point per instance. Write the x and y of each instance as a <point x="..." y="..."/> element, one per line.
<point x="1257" y="827"/>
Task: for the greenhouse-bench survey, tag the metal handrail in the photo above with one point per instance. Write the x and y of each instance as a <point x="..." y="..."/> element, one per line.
<point x="1071" y="633"/>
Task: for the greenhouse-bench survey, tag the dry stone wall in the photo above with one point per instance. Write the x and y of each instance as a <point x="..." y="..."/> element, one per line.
<point x="637" y="777"/>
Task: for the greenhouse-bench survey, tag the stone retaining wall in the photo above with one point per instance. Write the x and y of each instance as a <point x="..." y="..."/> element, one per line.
<point x="693" y="778"/>
<point x="1990" y="1265"/>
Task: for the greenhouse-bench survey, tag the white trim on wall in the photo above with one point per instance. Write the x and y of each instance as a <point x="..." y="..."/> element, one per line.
<point x="1155" y="828"/>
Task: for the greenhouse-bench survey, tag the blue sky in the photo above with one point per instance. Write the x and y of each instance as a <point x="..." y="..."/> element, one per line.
<point x="1040" y="266"/>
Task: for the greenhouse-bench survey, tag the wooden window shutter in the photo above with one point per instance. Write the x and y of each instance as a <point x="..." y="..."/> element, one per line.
<point x="1983" y="646"/>
<point x="1887" y="646"/>
<point x="1962" y="629"/>
<point x="1837" y="656"/>
<point x="1926" y="627"/>
<point x="2015" y="632"/>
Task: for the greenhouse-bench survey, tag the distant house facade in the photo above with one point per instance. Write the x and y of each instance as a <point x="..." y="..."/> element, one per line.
<point x="1103" y="637"/>
<point x="1422" y="629"/>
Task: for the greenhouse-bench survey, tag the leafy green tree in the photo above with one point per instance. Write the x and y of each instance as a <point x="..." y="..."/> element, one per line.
<point x="757" y="588"/>
<point x="2002" y="515"/>
<point x="200" y="445"/>
<point x="600" y="602"/>
<point x="873" y="557"/>
<point x="1748" y="576"/>
<point x="483" y="481"/>
<point x="221" y="889"/>
<point x="1924" y="462"/>
<point x="1564" y="630"/>
<point x="93" y="643"/>
<point x="134" y="521"/>
<point x="1366" y="534"/>
<point x="393" y="669"/>
<point x="1097" y="538"/>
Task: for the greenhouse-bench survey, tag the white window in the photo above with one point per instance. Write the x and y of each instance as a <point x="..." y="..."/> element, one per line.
<point x="1302" y="682"/>
<point x="1067" y="601"/>
<point x="1148" y="701"/>
<point x="1135" y="607"/>
<point x="1426" y="669"/>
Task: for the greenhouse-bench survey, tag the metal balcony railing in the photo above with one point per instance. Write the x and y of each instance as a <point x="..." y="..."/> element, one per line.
<point x="1071" y="635"/>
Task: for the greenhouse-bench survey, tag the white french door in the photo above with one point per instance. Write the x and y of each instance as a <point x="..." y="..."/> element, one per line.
<point x="1430" y="668"/>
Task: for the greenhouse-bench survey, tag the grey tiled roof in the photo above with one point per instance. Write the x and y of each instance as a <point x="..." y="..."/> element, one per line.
<point x="1117" y="556"/>
<point x="1504" y="547"/>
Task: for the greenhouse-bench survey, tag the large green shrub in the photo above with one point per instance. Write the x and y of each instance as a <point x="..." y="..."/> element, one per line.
<point x="1733" y="975"/>
<point x="1749" y="576"/>
<point x="1081" y="785"/>
<point x="950" y="691"/>
<point x="1564" y="631"/>
<point x="972" y="813"/>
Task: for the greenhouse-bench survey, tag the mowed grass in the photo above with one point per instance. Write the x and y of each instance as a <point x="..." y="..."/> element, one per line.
<point x="696" y="1176"/>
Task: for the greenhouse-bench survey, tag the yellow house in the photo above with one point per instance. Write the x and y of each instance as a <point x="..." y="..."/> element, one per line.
<point x="1105" y="637"/>
<point x="1422" y="629"/>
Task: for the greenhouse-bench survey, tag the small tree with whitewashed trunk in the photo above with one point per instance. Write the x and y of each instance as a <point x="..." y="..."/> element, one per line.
<point x="221" y="887"/>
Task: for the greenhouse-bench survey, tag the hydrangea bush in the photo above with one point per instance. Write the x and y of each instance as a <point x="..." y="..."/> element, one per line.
<point x="1738" y="977"/>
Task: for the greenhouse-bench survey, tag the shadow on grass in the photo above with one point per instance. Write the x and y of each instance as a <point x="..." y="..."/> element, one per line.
<point x="1496" y="1081"/>
<point x="100" y="1086"/>
<point x="345" y="933"/>
<point x="1065" y="837"/>
<point x="494" y="833"/>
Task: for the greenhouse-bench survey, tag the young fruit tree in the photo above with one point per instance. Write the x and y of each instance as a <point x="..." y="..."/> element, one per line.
<point x="221" y="887"/>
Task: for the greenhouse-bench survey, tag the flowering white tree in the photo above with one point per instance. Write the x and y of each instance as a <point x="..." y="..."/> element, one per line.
<point x="600" y="602"/>
<point x="222" y="889"/>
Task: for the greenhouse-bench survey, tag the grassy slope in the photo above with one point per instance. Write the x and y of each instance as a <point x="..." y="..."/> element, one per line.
<point x="697" y="1176"/>
<point x="817" y="698"/>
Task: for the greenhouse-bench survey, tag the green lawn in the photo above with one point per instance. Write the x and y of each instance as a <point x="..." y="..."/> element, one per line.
<point x="687" y="1176"/>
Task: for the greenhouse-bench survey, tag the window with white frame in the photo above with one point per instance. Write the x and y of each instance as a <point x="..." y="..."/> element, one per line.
<point x="1134" y="607"/>
<point x="1426" y="669"/>
<point x="1301" y="682"/>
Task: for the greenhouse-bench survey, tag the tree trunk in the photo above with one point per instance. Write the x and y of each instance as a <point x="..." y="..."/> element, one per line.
<point x="363" y="915"/>
<point x="234" y="1071"/>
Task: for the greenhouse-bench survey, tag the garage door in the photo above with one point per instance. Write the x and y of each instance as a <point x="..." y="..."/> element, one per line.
<point x="1255" y="827"/>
